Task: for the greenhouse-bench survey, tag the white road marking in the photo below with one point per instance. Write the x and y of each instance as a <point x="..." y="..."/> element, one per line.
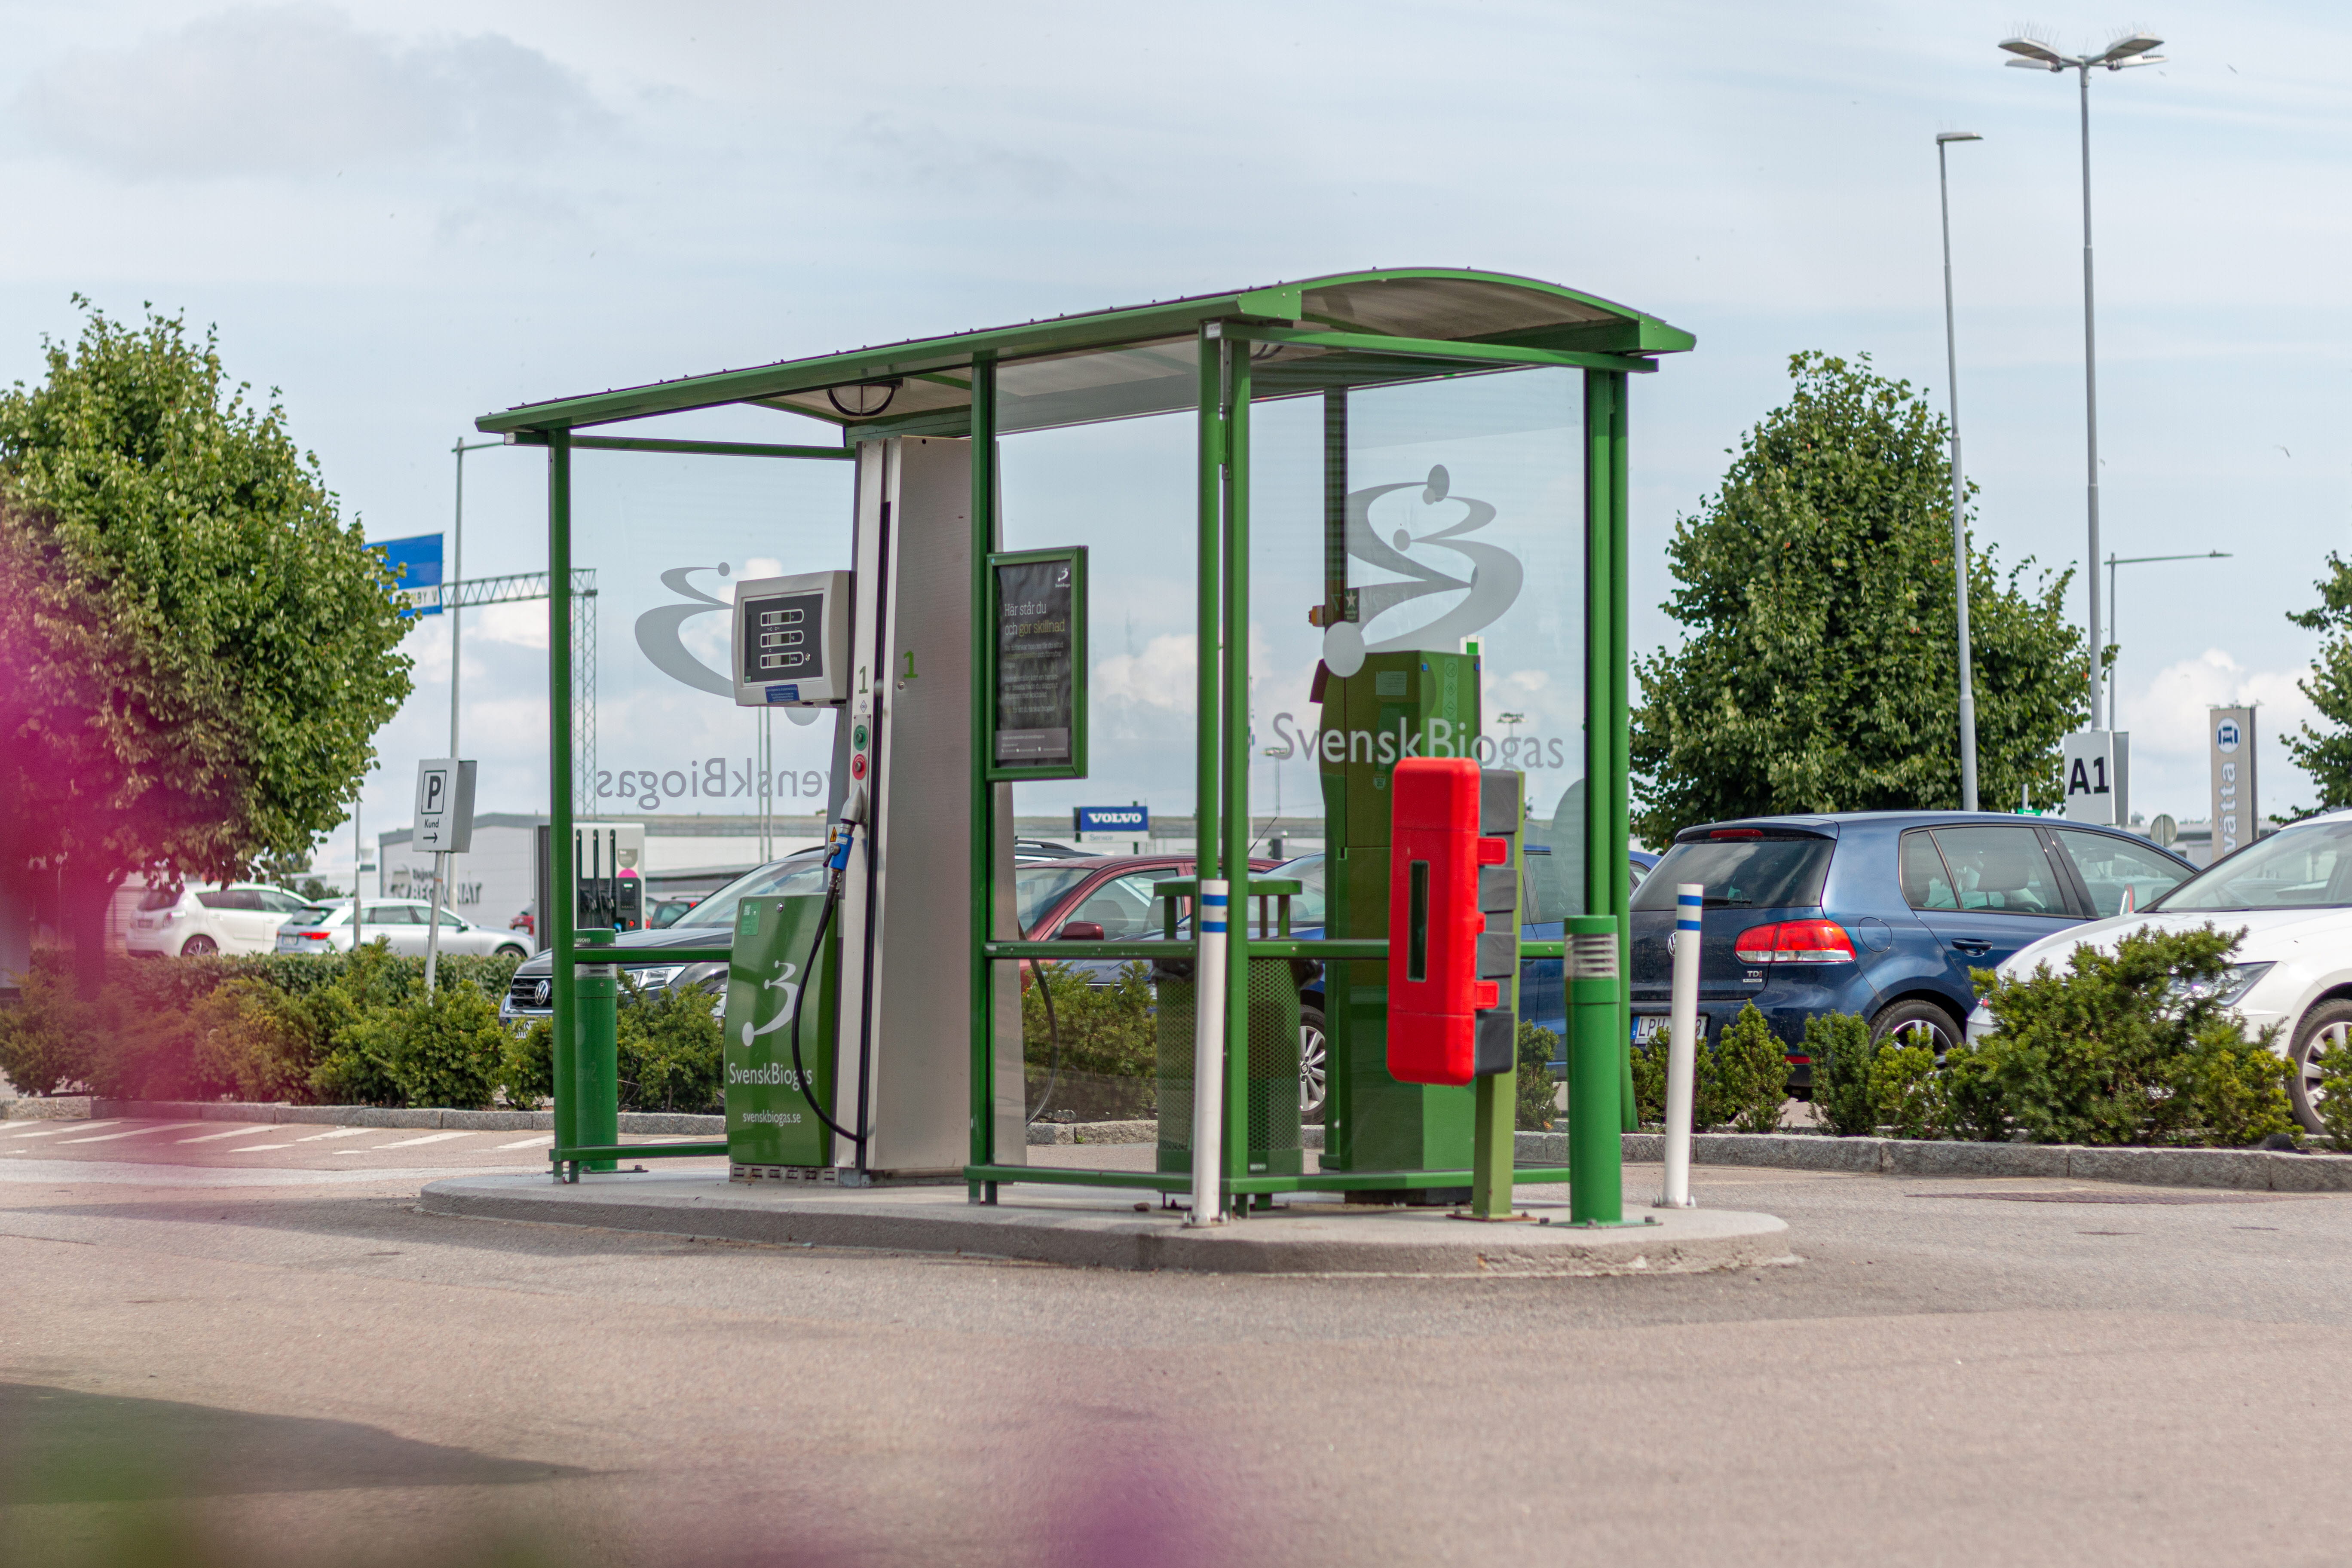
<point x="337" y="1132"/>
<point x="134" y="1133"/>
<point x="257" y="1148"/>
<point x="52" y="1132"/>
<point x="412" y="1142"/>
<point x="232" y="1133"/>
<point x="542" y="1142"/>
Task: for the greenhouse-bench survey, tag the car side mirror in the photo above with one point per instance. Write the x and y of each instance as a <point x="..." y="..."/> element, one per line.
<point x="1082" y="931"/>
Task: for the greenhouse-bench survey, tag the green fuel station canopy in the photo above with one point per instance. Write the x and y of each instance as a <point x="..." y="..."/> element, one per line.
<point x="1352" y="329"/>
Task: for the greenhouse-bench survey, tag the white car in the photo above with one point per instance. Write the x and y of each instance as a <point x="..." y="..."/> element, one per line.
<point x="2292" y="893"/>
<point x="201" y="918"/>
<point x="402" y="923"/>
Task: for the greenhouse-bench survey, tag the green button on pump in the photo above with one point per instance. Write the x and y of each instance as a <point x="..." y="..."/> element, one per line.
<point x="857" y="737"/>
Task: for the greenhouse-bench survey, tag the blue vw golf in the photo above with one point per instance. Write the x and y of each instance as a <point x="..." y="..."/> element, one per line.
<point x="1881" y="913"/>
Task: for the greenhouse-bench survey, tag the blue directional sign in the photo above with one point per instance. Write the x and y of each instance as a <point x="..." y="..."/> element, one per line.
<point x="1110" y="819"/>
<point x="417" y="561"/>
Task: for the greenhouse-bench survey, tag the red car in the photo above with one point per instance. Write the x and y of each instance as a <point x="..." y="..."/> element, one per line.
<point x="1098" y="897"/>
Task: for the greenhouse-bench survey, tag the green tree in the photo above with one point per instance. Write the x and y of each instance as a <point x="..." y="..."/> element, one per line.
<point x="2326" y="755"/>
<point x="195" y="648"/>
<point x="1816" y="588"/>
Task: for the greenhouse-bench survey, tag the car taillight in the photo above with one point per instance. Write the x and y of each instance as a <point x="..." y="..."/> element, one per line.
<point x="1795" y="942"/>
<point x="311" y="935"/>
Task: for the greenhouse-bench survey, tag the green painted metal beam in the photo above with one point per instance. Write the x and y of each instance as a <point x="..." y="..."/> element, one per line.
<point x="1609" y="328"/>
<point x="1104" y="329"/>
<point x="561" y="877"/>
<point x="1387" y="347"/>
<point x="686" y="448"/>
<point x="981" y="800"/>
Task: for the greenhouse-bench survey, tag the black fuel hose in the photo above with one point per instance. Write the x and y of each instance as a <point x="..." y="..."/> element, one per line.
<point x="808" y="973"/>
<point x="1052" y="1033"/>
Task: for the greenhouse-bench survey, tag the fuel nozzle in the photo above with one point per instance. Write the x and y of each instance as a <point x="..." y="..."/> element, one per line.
<point x="853" y="817"/>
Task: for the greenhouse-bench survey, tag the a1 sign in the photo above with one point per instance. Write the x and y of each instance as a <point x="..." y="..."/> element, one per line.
<point x="445" y="806"/>
<point x="2098" y="777"/>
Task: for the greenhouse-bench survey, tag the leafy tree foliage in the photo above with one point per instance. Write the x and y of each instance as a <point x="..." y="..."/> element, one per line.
<point x="2326" y="755"/>
<point x="1818" y="671"/>
<point x="195" y="648"/>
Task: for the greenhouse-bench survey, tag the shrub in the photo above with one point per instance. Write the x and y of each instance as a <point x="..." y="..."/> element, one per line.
<point x="1101" y="1038"/>
<point x="253" y="1042"/>
<point x="669" y="1049"/>
<point x="1535" y="1109"/>
<point x="1839" y="1045"/>
<point x="529" y="1071"/>
<point x="1902" y="1090"/>
<point x="1650" y="1083"/>
<point x="2130" y="1046"/>
<point x="1750" y="1074"/>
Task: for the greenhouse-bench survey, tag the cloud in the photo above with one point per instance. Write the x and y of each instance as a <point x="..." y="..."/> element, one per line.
<point x="919" y="153"/>
<point x="1159" y="676"/>
<point x="522" y="624"/>
<point x="299" y="90"/>
<point x="2169" y="716"/>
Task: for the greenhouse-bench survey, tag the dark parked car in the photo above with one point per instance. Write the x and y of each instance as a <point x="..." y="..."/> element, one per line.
<point x="1543" y="995"/>
<point x="707" y="923"/>
<point x="1882" y="913"/>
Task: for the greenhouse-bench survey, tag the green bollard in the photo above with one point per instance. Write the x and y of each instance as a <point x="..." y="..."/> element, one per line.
<point x="1596" y="1150"/>
<point x="596" y="1052"/>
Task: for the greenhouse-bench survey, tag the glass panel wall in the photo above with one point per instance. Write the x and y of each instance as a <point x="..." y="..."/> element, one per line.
<point x="1125" y="489"/>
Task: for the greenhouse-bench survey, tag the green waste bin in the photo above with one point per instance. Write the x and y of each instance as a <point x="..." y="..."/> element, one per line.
<point x="1273" y="1053"/>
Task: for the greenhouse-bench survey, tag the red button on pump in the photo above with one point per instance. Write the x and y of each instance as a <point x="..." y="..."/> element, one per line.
<point x="857" y="767"/>
<point x="1434" y="921"/>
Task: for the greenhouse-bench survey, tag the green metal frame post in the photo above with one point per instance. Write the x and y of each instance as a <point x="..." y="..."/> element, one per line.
<point x="1597" y="1061"/>
<point x="983" y="793"/>
<point x="595" y="1051"/>
<point x="1234" y="715"/>
<point x="1620" y="781"/>
<point x="1596" y="1163"/>
<point x="560" y="871"/>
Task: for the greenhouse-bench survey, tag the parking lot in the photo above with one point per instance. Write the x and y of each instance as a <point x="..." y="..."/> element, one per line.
<point x="270" y="1347"/>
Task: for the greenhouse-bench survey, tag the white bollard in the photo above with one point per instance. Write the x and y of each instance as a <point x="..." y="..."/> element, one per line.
<point x="1682" y="1046"/>
<point x="1209" y="1056"/>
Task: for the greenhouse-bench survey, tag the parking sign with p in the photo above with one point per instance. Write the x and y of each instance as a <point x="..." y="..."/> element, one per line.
<point x="445" y="806"/>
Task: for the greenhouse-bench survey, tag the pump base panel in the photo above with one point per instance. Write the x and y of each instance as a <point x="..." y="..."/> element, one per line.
<point x="1090" y="1228"/>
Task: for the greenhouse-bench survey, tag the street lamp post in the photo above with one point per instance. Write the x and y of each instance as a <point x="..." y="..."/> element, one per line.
<point x="456" y="575"/>
<point x="2114" y="613"/>
<point x="1959" y="493"/>
<point x="2131" y="50"/>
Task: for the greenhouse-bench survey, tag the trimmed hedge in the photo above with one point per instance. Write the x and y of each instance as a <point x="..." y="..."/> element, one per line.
<point x="331" y="1029"/>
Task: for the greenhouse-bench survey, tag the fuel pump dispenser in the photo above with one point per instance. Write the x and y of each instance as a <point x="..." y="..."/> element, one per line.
<point x="846" y="1020"/>
<point x="608" y="864"/>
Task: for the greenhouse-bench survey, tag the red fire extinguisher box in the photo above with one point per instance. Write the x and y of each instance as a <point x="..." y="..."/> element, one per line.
<point x="1450" y="870"/>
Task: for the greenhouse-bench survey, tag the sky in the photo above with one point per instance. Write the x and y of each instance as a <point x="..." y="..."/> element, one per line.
<point x="403" y="216"/>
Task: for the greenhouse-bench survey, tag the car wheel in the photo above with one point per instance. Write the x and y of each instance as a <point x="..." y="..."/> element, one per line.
<point x="199" y="946"/>
<point x="1916" y="1023"/>
<point x="2329" y="1024"/>
<point x="509" y="950"/>
<point x="1314" y="1065"/>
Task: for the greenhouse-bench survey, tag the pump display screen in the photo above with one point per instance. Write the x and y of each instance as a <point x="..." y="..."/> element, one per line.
<point x="783" y="639"/>
<point x="1039" y="643"/>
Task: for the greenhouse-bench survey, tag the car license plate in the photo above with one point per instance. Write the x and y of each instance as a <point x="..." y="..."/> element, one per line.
<point x="1649" y="1026"/>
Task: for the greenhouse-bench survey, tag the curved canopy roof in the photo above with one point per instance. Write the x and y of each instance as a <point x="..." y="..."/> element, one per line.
<point x="1349" y="329"/>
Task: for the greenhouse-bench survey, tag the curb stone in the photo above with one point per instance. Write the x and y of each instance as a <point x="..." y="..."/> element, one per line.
<point x="2248" y="1170"/>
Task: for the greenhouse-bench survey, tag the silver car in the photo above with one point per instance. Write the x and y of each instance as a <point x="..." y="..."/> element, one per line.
<point x="402" y="923"/>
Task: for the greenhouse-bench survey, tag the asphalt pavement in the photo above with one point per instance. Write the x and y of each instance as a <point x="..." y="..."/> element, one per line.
<point x="230" y="1352"/>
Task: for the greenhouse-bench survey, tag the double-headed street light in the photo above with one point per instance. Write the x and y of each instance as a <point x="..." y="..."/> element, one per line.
<point x="1960" y="522"/>
<point x="2131" y="50"/>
